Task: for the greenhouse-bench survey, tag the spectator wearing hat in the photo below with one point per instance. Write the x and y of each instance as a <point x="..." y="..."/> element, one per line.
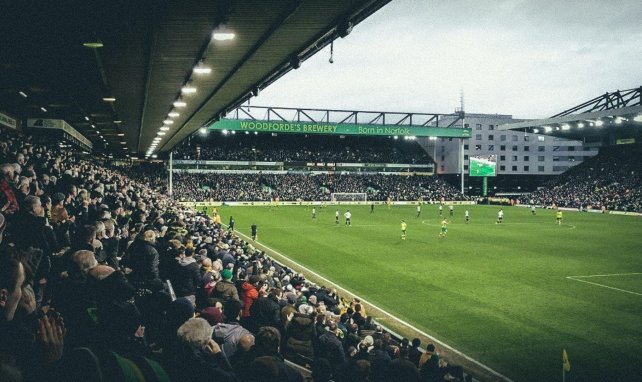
<point x="225" y="290"/>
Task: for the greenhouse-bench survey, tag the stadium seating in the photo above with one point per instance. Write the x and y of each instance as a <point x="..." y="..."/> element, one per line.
<point x="101" y="275"/>
<point x="611" y="180"/>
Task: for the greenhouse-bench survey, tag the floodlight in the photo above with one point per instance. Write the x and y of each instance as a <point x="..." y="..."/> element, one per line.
<point x="599" y="122"/>
<point x="202" y="130"/>
<point x="173" y="114"/>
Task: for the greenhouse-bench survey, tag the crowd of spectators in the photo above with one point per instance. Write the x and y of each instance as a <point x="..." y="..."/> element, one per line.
<point x="309" y="187"/>
<point x="610" y="180"/>
<point x="301" y="148"/>
<point x="105" y="278"/>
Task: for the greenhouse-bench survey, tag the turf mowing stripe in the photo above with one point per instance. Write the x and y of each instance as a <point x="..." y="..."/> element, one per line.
<point x="450" y="348"/>
<point x="604" y="286"/>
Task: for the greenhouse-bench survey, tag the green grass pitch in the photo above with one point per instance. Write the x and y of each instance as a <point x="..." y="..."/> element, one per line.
<point x="509" y="295"/>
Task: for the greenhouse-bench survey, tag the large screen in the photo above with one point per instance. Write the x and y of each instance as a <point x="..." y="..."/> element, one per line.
<point x="483" y="165"/>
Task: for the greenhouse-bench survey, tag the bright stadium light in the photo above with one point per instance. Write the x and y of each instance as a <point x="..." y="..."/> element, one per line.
<point x="168" y="121"/>
<point x="164" y="128"/>
<point x="179" y="103"/>
<point x="173" y="114"/>
<point x="202" y="130"/>
<point x="599" y="123"/>
<point x="535" y="131"/>
<point x="547" y="129"/>
<point x="580" y="125"/>
<point x="224" y="132"/>
<point x="188" y="89"/>
<point x="566" y="126"/>
<point x="638" y="118"/>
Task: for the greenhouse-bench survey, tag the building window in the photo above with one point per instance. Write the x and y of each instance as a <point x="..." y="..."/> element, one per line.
<point x="527" y="158"/>
<point x="465" y="157"/>
<point x="571" y="148"/>
<point x="443" y="149"/>
<point x="514" y="148"/>
<point x="502" y="157"/>
<point x="556" y="158"/>
<point x="556" y="148"/>
<point x="541" y="158"/>
<point x="491" y="147"/>
<point x="527" y="148"/>
<point x="560" y="168"/>
<point x="466" y="125"/>
<point x="541" y="148"/>
<point x="514" y="168"/>
<point x="478" y="126"/>
<point x="465" y="167"/>
<point x="513" y="158"/>
<point x="540" y="168"/>
<point x="491" y="137"/>
<point x="571" y="158"/>
<point x="477" y="147"/>
<point x="514" y="138"/>
<point x="466" y="147"/>
<point x="526" y="168"/>
<point x="502" y="138"/>
<point x="443" y="158"/>
<point x="541" y="138"/>
<point x="527" y="138"/>
<point x="478" y="137"/>
<point x="491" y="127"/>
<point x="502" y="148"/>
<point x="502" y="168"/>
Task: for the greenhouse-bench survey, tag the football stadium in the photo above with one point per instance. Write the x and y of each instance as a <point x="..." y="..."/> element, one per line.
<point x="174" y="210"/>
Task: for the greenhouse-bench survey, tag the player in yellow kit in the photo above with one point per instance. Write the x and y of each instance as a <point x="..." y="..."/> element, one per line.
<point x="403" y="230"/>
<point x="558" y="217"/>
<point x="444" y="229"/>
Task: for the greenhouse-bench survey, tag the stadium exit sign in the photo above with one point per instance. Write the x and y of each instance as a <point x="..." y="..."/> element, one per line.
<point x="338" y="128"/>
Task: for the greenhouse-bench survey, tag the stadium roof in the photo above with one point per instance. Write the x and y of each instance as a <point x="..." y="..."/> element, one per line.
<point x="69" y="60"/>
<point x="605" y="120"/>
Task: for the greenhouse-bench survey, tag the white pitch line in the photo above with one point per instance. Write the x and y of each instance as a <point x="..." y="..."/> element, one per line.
<point x="604" y="286"/>
<point x="450" y="348"/>
<point x="610" y="274"/>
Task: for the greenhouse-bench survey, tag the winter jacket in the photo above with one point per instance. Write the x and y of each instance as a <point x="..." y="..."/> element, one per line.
<point x="249" y="294"/>
<point x="225" y="291"/>
<point x="230" y="334"/>
<point x="299" y="337"/>
<point x="186" y="277"/>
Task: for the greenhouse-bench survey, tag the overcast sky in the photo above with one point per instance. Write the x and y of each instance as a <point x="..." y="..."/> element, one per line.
<point x="531" y="59"/>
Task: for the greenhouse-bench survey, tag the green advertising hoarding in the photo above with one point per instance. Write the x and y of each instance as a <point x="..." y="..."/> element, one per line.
<point x="337" y="128"/>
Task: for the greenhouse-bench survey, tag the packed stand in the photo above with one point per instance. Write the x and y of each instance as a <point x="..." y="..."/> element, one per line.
<point x="309" y="187"/>
<point x="85" y="261"/>
<point x="300" y="148"/>
<point x="610" y="180"/>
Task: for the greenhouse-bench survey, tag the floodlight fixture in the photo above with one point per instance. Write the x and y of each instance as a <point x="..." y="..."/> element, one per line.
<point x="580" y="125"/>
<point x="86" y="118"/>
<point x="173" y="114"/>
<point x="43" y="109"/>
<point x="638" y="118"/>
<point x="188" y="89"/>
<point x="203" y="130"/>
<point x="179" y="103"/>
<point x="566" y="126"/>
<point x="109" y="99"/>
<point x="548" y="129"/>
<point x="168" y="122"/>
<point x="599" y="122"/>
<point x="23" y="94"/>
<point x="535" y="131"/>
<point x="164" y="128"/>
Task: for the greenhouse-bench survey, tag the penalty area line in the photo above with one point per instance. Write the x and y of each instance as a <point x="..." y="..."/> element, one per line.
<point x="450" y="348"/>
<point x="602" y="285"/>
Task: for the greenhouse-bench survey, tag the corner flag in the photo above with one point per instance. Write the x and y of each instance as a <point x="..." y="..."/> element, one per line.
<point x="566" y="365"/>
<point x="565" y="361"/>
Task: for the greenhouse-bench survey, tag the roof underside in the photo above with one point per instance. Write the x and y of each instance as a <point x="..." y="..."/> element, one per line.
<point x="602" y="120"/>
<point x="150" y="49"/>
